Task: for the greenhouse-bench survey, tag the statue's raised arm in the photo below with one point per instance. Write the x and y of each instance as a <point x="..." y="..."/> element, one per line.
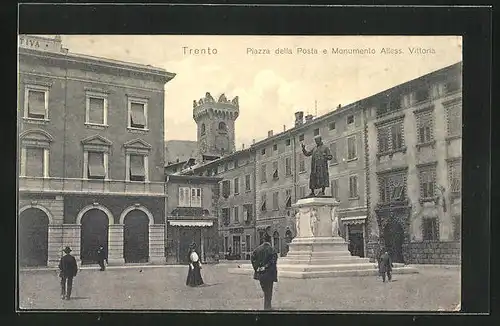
<point x="305" y="151"/>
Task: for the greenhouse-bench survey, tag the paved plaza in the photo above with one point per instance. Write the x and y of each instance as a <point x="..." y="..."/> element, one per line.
<point x="163" y="288"/>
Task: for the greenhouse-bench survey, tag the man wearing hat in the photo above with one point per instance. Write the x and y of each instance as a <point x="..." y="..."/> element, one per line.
<point x="264" y="259"/>
<point x="320" y="155"/>
<point x="68" y="270"/>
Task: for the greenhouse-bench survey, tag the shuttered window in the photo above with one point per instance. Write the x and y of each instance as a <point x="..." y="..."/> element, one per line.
<point x="34" y="162"/>
<point x="137" y="172"/>
<point x="351" y="148"/>
<point x="36" y="104"/>
<point x="184" y="197"/>
<point x="96" y="165"/>
<point x="137" y="116"/>
<point x="96" y="110"/>
<point x="195" y="197"/>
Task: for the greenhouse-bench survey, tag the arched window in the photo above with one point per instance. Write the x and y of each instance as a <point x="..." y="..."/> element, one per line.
<point x="222" y="126"/>
<point x="202" y="128"/>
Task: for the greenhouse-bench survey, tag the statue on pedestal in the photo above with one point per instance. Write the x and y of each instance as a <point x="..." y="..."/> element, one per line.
<point x="319" y="178"/>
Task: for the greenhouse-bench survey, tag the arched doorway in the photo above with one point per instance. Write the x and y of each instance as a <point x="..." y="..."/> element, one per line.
<point x="276" y="241"/>
<point x="393" y="238"/>
<point x="33" y="237"/>
<point x="136" y="237"/>
<point x="94" y="233"/>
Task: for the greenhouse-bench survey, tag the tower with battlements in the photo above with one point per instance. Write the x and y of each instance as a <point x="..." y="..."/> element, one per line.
<point x="215" y="125"/>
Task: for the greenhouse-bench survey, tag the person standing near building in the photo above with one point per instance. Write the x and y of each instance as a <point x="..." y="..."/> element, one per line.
<point x="385" y="266"/>
<point x="101" y="257"/>
<point x="68" y="269"/>
<point x="194" y="273"/>
<point x="264" y="261"/>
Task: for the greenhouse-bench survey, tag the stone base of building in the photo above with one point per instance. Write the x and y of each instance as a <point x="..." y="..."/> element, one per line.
<point x="116" y="261"/>
<point x="434" y="252"/>
<point x="155" y="260"/>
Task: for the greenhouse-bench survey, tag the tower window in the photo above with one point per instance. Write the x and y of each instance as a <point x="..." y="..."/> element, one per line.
<point x="203" y="129"/>
<point x="222" y="126"/>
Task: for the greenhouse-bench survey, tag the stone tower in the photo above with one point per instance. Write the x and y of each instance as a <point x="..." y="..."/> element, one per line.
<point x="215" y="120"/>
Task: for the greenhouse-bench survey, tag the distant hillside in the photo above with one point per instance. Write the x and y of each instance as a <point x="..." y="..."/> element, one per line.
<point x="180" y="149"/>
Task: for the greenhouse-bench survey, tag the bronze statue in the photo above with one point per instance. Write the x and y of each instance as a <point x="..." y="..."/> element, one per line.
<point x="319" y="178"/>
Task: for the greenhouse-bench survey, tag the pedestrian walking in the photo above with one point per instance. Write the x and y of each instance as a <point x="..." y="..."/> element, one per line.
<point x="264" y="261"/>
<point x="194" y="273"/>
<point x="385" y="266"/>
<point x="101" y="257"/>
<point x="68" y="269"/>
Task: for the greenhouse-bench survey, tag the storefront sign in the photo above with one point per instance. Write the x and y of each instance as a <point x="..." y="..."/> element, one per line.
<point x="236" y="230"/>
<point x="40" y="43"/>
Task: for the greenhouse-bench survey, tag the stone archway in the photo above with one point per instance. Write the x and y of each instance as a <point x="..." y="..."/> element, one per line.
<point x="33" y="237"/>
<point x="136" y="237"/>
<point x="94" y="233"/>
<point x="394" y="240"/>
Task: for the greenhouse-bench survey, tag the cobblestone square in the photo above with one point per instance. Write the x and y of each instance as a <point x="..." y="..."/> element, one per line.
<point x="163" y="288"/>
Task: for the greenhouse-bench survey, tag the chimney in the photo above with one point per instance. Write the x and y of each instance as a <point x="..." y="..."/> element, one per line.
<point x="242" y="146"/>
<point x="253" y="141"/>
<point x="284" y="128"/>
<point x="338" y="107"/>
<point x="299" y="118"/>
<point x="309" y="118"/>
<point x="270" y="133"/>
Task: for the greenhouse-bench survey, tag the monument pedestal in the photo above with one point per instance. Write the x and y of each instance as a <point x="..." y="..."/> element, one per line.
<point x="318" y="250"/>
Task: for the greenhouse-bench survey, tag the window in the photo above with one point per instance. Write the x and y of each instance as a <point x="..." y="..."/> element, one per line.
<point x="350" y="119"/>
<point x="457" y="227"/>
<point x="263" y="152"/>
<point x="36" y="102"/>
<point x="195" y="197"/>
<point x="226" y="166"/>
<point x="302" y="163"/>
<point x="392" y="187"/>
<point x="288" y="198"/>
<point x="34" y="166"/>
<point x="333" y="151"/>
<point x="222" y="126"/>
<point x="454" y="120"/>
<point x="302" y="191"/>
<point x="301" y="137"/>
<point x="236" y="214"/>
<point x="455" y="176"/>
<point x="203" y="129"/>
<point x="288" y="166"/>
<point x="331" y="125"/>
<point x="451" y="86"/>
<point x="247" y="182"/>
<point x="263" y="205"/>
<point x="247" y="212"/>
<point x="430" y="231"/>
<point x="276" y="200"/>
<point x="335" y="188"/>
<point x="422" y="95"/>
<point x="96" y="108"/>
<point x="275" y="147"/>
<point x="263" y="173"/>
<point x="353" y="186"/>
<point x="316" y="132"/>
<point x="95" y="166"/>
<point x="351" y="148"/>
<point x="390" y="137"/>
<point x="184" y="197"/>
<point x="275" y="171"/>
<point x="137" y="168"/>
<point x="425" y="124"/>
<point x="225" y="219"/>
<point x="236" y="186"/>
<point x="226" y="188"/>
<point x="138" y="113"/>
<point x="288" y="142"/>
<point x="427" y="182"/>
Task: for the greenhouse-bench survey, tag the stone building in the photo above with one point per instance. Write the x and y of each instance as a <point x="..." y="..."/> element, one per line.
<point x="414" y="154"/>
<point x="282" y="174"/>
<point x="91" y="156"/>
<point x="191" y="217"/>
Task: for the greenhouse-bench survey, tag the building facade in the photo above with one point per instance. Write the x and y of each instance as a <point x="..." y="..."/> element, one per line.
<point x="282" y="174"/>
<point x="414" y="153"/>
<point x="91" y="156"/>
<point x="191" y="217"/>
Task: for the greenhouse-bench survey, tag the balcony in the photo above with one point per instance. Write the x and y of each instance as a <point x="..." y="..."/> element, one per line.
<point x="67" y="185"/>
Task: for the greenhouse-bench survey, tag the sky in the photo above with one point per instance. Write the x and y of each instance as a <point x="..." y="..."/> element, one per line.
<point x="270" y="86"/>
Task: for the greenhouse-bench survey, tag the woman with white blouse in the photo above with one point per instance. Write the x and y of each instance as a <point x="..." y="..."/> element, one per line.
<point x="194" y="274"/>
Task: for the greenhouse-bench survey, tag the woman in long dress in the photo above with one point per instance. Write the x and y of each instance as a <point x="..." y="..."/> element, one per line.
<point x="194" y="274"/>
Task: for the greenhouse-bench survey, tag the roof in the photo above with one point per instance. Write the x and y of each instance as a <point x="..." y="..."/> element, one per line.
<point x="180" y="149"/>
<point x="191" y="178"/>
<point x="221" y="159"/>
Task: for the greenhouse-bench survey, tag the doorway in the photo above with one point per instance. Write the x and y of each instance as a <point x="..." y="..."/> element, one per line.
<point x="188" y="236"/>
<point x="33" y="238"/>
<point x="237" y="246"/>
<point x="356" y="240"/>
<point x="393" y="238"/>
<point x="136" y="237"/>
<point x="94" y="233"/>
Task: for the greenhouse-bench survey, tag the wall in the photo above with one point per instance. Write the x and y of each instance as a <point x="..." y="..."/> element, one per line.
<point x="427" y="252"/>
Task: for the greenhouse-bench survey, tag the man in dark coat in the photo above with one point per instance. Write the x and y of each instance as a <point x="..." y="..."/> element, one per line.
<point x="264" y="260"/>
<point x="385" y="266"/>
<point x="68" y="269"/>
<point x="101" y="257"/>
<point x="319" y="177"/>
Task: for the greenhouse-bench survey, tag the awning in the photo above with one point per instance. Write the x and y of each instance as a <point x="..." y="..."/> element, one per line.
<point x="192" y="223"/>
<point x="353" y="219"/>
